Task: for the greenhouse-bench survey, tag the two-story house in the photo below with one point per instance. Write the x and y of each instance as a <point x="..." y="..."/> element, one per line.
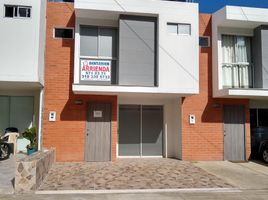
<point x="116" y="72"/>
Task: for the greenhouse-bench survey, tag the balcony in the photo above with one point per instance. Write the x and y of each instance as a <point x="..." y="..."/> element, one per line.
<point x="239" y="46"/>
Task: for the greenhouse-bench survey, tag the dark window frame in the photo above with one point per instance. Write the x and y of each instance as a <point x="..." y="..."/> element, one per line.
<point x="208" y="39"/>
<point x="63" y="28"/>
<point x="16" y="11"/>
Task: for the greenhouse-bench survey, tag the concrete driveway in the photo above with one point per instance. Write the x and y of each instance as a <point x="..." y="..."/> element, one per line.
<point x="7" y="175"/>
<point x="248" y="175"/>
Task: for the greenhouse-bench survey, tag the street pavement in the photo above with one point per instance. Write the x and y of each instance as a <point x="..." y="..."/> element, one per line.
<point x="243" y="195"/>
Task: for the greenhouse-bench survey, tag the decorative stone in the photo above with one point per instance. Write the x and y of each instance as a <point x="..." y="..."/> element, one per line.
<point x="20" y="167"/>
<point x="31" y="171"/>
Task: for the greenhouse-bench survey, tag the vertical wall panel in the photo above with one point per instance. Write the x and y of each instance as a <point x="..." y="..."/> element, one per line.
<point x="129" y="130"/>
<point x="152" y="130"/>
<point x="137" y="51"/>
<point x="4" y="113"/>
<point x="21" y="112"/>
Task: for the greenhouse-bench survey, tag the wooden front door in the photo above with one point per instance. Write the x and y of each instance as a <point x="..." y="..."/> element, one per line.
<point x="98" y="133"/>
<point x="234" y="133"/>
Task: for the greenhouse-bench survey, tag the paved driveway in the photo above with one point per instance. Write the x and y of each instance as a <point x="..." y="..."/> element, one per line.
<point x="130" y="174"/>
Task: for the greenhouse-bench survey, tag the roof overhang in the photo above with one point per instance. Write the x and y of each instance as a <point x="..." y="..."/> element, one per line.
<point x="240" y="17"/>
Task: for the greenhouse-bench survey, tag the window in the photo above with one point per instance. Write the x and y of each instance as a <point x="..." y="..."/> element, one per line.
<point x="13" y="11"/>
<point x="66" y="33"/>
<point x="98" y="42"/>
<point x="98" y="55"/>
<point x="204" y="41"/>
<point x="61" y="0"/>
<point x="179" y="29"/>
<point x="236" y="62"/>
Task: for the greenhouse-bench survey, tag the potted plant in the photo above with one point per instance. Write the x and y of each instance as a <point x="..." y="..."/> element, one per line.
<point x="30" y="134"/>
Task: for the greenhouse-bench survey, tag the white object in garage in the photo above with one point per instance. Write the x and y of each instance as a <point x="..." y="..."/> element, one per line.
<point x="52" y="116"/>
<point x="191" y="119"/>
<point x="22" y="144"/>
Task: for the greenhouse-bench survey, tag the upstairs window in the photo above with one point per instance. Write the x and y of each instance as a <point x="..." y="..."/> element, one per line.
<point x="179" y="29"/>
<point x="14" y="11"/>
<point x="98" y="55"/>
<point x="65" y="33"/>
<point x="62" y="1"/>
<point x="204" y="41"/>
<point x="236" y="61"/>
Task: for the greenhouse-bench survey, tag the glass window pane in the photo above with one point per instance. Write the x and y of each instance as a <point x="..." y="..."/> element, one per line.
<point x="88" y="41"/>
<point x="172" y="28"/>
<point x="21" y="112"/>
<point x="129" y="130"/>
<point x="185" y="29"/>
<point x="204" y="41"/>
<point x="108" y="42"/>
<point x="263" y="117"/>
<point x="9" y="11"/>
<point x="152" y="130"/>
<point x="23" y="12"/>
<point x="63" y="33"/>
<point x="4" y="113"/>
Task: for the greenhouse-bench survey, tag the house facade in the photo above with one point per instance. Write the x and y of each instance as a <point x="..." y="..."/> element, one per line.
<point x="22" y="48"/>
<point x="144" y="78"/>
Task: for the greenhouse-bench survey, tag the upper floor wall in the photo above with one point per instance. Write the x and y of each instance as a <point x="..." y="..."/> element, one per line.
<point x="143" y="46"/>
<point x="22" y="39"/>
<point x="239" y="41"/>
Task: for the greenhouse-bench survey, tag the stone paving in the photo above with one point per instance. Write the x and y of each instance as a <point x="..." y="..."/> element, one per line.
<point x="130" y="174"/>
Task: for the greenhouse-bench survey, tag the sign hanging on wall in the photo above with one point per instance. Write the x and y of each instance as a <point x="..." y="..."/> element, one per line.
<point x="97" y="114"/>
<point x="95" y="70"/>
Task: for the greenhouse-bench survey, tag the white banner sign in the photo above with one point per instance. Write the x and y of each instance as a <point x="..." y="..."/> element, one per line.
<point x="95" y="70"/>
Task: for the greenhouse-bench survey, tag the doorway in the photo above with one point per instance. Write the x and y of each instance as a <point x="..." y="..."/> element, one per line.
<point x="140" y="131"/>
<point x="234" y="133"/>
<point x="98" y="132"/>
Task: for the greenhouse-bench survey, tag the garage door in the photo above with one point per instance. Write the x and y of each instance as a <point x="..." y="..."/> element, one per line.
<point x="140" y="130"/>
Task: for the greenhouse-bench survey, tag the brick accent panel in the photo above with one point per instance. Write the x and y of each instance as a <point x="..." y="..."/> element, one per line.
<point x="67" y="134"/>
<point x="204" y="140"/>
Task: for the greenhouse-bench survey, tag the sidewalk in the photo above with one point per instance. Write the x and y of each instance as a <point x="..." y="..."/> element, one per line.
<point x="248" y="175"/>
<point x="7" y="175"/>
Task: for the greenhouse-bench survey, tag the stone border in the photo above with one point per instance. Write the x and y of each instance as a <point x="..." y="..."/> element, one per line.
<point x="31" y="170"/>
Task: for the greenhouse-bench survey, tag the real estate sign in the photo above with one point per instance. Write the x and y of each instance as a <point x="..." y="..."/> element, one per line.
<point x="95" y="70"/>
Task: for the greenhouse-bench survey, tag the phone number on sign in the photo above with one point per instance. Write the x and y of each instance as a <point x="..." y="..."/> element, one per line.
<point x="96" y="76"/>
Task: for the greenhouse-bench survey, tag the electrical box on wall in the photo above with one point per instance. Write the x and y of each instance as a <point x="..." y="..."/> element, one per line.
<point x="191" y="119"/>
<point x="52" y="116"/>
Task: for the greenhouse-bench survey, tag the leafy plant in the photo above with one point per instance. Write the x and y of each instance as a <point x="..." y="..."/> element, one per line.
<point x="30" y="134"/>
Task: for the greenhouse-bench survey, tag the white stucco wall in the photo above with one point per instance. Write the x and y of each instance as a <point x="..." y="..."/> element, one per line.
<point x="178" y="55"/>
<point x="22" y="43"/>
<point x="233" y="20"/>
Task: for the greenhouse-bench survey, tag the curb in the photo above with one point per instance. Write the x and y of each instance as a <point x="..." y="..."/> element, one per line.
<point x="217" y="190"/>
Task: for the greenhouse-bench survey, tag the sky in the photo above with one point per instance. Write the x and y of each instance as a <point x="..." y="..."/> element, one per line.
<point x="210" y="6"/>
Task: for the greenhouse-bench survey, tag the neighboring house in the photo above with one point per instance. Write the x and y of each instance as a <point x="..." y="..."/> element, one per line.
<point x="22" y="39"/>
<point x="240" y="47"/>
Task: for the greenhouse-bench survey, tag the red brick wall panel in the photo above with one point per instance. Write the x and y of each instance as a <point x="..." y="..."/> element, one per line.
<point x="67" y="134"/>
<point x="204" y="140"/>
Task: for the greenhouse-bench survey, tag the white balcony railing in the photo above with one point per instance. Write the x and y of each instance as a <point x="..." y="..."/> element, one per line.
<point x="237" y="75"/>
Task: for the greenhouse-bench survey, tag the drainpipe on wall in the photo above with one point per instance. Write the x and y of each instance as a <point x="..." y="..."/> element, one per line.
<point x="41" y="101"/>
